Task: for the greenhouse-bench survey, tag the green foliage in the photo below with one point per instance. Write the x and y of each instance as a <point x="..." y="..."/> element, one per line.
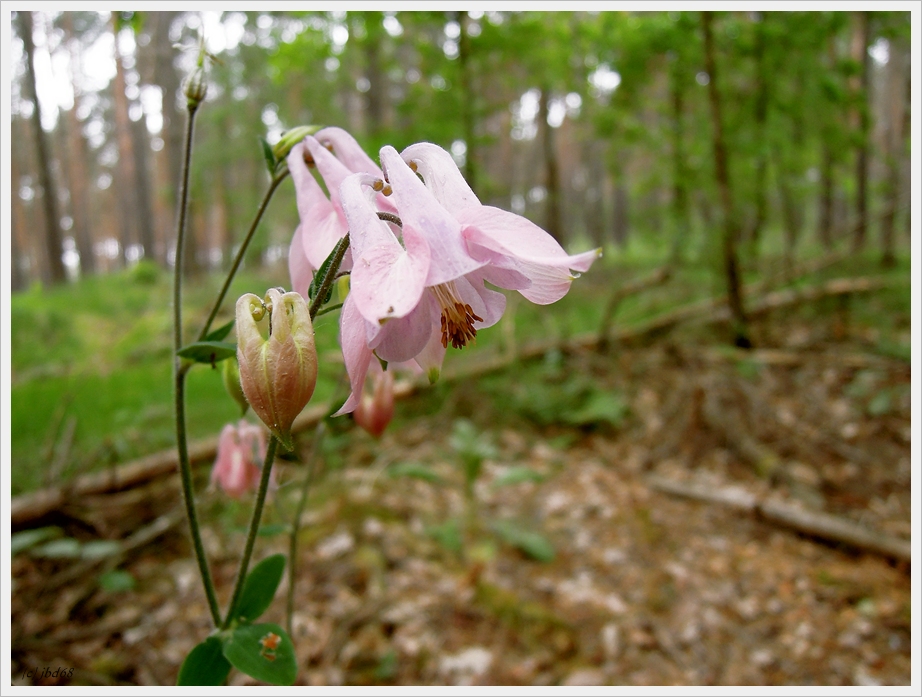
<point x="533" y="544"/>
<point x="208" y="352"/>
<point x="205" y="664"/>
<point x="472" y="447"/>
<point x="414" y="470"/>
<point x="25" y="539"/>
<point x="117" y="581"/>
<point x="252" y="649"/>
<point x="447" y="534"/>
<point x="517" y="475"/>
<point x="259" y="588"/>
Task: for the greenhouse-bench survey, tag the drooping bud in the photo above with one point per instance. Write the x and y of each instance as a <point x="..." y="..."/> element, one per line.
<point x="376" y="410"/>
<point x="277" y="374"/>
<point x="231" y="376"/>
<point x="291" y="138"/>
<point x="241" y="454"/>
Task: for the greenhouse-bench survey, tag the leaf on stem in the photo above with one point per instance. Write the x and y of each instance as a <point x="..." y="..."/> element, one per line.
<point x="259" y="588"/>
<point x="209" y="352"/>
<point x="221" y="332"/>
<point x="205" y="664"/>
<point x="264" y="652"/>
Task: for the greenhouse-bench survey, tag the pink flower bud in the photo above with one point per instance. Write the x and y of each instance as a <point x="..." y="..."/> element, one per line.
<point x="376" y="410"/>
<point x="277" y="374"/>
<point x="241" y="453"/>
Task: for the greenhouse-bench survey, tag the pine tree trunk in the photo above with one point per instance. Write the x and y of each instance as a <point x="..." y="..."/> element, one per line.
<point x="860" y="43"/>
<point x="551" y="169"/>
<point x="896" y="67"/>
<point x="467" y="99"/>
<point x="680" y="208"/>
<point x="760" y="117"/>
<point x="730" y="224"/>
<point x="54" y="269"/>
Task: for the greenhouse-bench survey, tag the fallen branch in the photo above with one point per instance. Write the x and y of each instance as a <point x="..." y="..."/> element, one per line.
<point x="822" y="525"/>
<point x="633" y="287"/>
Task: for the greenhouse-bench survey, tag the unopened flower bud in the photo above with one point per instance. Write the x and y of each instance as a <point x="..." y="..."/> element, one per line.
<point x="291" y="138"/>
<point x="277" y="374"/>
<point x="195" y="86"/>
<point x="376" y="410"/>
<point x="241" y="452"/>
<point x="231" y="376"/>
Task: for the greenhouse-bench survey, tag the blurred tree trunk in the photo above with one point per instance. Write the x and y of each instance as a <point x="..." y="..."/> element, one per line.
<point x="22" y="266"/>
<point x="468" y="97"/>
<point x="551" y="169"/>
<point x="730" y="224"/>
<point x="166" y="77"/>
<point x="860" y="39"/>
<point x="53" y="271"/>
<point x="896" y="108"/>
<point x="825" y="219"/>
<point x="760" y="116"/>
<point x="77" y="157"/>
<point x="376" y="96"/>
<point x="134" y="187"/>
<point x="680" y="208"/>
<point x="620" y="204"/>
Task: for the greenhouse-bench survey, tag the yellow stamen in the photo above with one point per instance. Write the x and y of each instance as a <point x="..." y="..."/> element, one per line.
<point x="457" y="317"/>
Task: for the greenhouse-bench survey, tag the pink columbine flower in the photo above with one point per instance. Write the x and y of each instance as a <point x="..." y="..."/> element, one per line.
<point x="419" y="286"/>
<point x="323" y="222"/>
<point x="241" y="454"/>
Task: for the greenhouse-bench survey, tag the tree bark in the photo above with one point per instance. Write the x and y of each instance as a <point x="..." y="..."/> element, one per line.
<point x="54" y="271"/>
<point x="730" y="223"/>
<point x="551" y="168"/>
<point x="760" y="116"/>
<point x="860" y="44"/>
<point x="680" y="207"/>
<point x="468" y="97"/>
<point x="896" y="67"/>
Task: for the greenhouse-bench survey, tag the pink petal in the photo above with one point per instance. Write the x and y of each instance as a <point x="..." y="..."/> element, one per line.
<point x="356" y="353"/>
<point x="299" y="268"/>
<point x="347" y="150"/>
<point x="433" y="354"/>
<point x="387" y="280"/>
<point x="519" y="245"/>
<point x="441" y="176"/>
<point x="401" y="339"/>
<point x="422" y="215"/>
<point x="486" y="304"/>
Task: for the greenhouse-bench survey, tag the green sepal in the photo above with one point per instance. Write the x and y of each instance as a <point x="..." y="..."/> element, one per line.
<point x="221" y="332"/>
<point x="205" y="664"/>
<point x="322" y="272"/>
<point x="259" y="588"/>
<point x="264" y="652"/>
<point x="209" y="352"/>
<point x="271" y="162"/>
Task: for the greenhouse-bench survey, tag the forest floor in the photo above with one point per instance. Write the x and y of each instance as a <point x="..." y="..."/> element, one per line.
<point x="644" y="588"/>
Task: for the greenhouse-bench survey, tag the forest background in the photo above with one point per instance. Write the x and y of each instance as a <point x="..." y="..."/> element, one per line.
<point x="711" y="155"/>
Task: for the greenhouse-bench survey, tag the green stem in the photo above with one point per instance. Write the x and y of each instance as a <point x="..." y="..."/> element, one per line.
<point x="254" y="530"/>
<point x="185" y="467"/>
<point x="319" y="432"/>
<point x="331" y="308"/>
<point x="338" y="253"/>
<point x="276" y="180"/>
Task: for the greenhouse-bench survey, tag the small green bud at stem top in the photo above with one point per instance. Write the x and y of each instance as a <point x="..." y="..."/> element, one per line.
<point x="291" y="138"/>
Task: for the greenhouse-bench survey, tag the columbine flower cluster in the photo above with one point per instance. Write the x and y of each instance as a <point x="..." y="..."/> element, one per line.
<point x="422" y="248"/>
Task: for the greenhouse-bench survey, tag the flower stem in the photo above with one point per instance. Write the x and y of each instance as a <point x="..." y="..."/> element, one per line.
<point x="254" y="530"/>
<point x="276" y="180"/>
<point x="185" y="467"/>
<point x="319" y="433"/>
<point x="338" y="253"/>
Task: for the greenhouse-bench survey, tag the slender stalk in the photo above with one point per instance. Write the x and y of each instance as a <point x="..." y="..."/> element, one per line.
<point x="185" y="467"/>
<point x="338" y="253"/>
<point x="331" y="308"/>
<point x="254" y="530"/>
<point x="319" y="433"/>
<point x="276" y="180"/>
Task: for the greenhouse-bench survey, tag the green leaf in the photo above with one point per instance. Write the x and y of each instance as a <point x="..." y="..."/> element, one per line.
<point x="447" y="534"/>
<point x="221" y="332"/>
<point x="264" y="652"/>
<point x="269" y="155"/>
<point x="205" y="664"/>
<point x="880" y="403"/>
<point x="100" y="549"/>
<point x="259" y="588"/>
<point x="21" y="541"/>
<point x="273" y="529"/>
<point x="209" y="352"/>
<point x="600" y="407"/>
<point x="533" y="544"/>
<point x="68" y="548"/>
<point x="117" y="581"/>
<point x="517" y="475"/>
<point x="415" y="470"/>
